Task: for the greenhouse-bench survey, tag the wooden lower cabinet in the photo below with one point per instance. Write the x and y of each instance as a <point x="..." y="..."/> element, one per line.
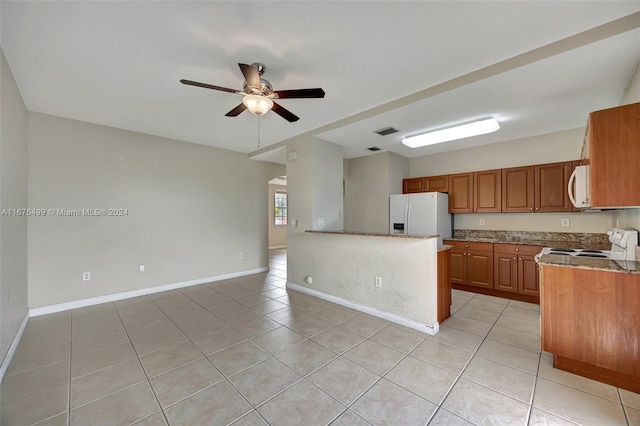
<point x="515" y="269"/>
<point x="444" y="285"/>
<point x="528" y="281"/>
<point x="472" y="263"/>
<point x="504" y="270"/>
<point x="590" y="322"/>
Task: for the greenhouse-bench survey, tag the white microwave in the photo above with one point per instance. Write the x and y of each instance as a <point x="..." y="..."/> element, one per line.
<point x="579" y="193"/>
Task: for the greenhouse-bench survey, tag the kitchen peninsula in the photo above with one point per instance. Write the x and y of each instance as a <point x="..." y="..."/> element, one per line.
<point x="590" y="311"/>
<point x="394" y="277"/>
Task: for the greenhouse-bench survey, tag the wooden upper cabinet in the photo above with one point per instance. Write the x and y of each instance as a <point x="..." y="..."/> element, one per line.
<point x="551" y="182"/>
<point x="437" y="183"/>
<point x="413" y="185"/>
<point x="518" y="190"/>
<point x="461" y="193"/>
<point x="426" y="184"/>
<point x="487" y="193"/>
<point x="478" y="192"/>
<point x="613" y="150"/>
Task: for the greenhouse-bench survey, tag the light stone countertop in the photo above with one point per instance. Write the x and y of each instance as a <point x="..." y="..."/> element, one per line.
<point x="442" y="247"/>
<point x="373" y="234"/>
<point x="622" y="266"/>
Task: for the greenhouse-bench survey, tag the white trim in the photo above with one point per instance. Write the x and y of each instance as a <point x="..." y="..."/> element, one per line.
<point x="277" y="247"/>
<point x="34" y="312"/>
<point x="416" y="325"/>
<point x="14" y="345"/>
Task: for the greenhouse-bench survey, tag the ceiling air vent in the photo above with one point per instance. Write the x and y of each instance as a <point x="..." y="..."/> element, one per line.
<point x="373" y="148"/>
<point x="386" y="131"/>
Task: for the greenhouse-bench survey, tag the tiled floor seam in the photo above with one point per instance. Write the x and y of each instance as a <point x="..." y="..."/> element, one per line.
<point x="533" y="392"/>
<point x="226" y="379"/>
<point x="444" y="398"/>
<point x="143" y="370"/>
<point x="70" y="375"/>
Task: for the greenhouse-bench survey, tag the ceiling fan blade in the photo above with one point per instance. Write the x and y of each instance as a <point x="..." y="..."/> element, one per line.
<point x="300" y="93"/>
<point x="251" y="75"/>
<point x="208" y="86"/>
<point x="236" y="111"/>
<point x="284" y="113"/>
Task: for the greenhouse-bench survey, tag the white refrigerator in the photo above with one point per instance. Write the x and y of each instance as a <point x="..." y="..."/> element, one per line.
<point x="424" y="213"/>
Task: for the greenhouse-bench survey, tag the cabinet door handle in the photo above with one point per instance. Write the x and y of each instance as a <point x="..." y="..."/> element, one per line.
<point x="531" y="208"/>
<point x="520" y="258"/>
<point x="514" y="258"/>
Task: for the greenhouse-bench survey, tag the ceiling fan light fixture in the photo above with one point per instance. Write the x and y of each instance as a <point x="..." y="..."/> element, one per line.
<point x="467" y="130"/>
<point x="257" y="104"/>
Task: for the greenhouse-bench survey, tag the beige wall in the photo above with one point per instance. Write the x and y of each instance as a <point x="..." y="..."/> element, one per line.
<point x="13" y="195"/>
<point x="277" y="234"/>
<point x="345" y="266"/>
<point x="549" y="148"/>
<point x="314" y="191"/>
<point x="365" y="194"/>
<point x="191" y="210"/>
<point x="370" y="181"/>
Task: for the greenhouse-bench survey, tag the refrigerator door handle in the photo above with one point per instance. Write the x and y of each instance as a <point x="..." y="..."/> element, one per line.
<point x="408" y="219"/>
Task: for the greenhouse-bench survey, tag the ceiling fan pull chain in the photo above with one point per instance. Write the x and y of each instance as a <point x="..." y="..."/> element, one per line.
<point x="258" y="131"/>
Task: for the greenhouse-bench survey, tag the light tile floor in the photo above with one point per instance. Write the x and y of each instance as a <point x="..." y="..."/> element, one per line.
<point x="246" y="351"/>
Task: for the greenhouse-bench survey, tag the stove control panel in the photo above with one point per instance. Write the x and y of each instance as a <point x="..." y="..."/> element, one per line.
<point x="625" y="238"/>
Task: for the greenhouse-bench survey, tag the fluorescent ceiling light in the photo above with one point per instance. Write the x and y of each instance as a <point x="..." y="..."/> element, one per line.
<point x="475" y="128"/>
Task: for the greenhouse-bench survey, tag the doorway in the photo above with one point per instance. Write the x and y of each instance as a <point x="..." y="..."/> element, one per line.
<point x="277" y="214"/>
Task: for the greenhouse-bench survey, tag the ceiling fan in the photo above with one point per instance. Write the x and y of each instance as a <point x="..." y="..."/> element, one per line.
<point x="258" y="94"/>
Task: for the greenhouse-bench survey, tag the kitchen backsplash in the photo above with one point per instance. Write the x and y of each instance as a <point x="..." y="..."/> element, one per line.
<point x="569" y="239"/>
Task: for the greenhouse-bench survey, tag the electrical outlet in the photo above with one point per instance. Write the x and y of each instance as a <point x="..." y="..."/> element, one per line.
<point x="240" y="255"/>
<point x="141" y="268"/>
<point x="378" y="282"/>
<point x="86" y="276"/>
<point x="565" y="221"/>
<point x="481" y="221"/>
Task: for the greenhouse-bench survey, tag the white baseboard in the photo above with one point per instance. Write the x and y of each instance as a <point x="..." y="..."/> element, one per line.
<point x="34" y="312"/>
<point x="277" y="247"/>
<point x="14" y="344"/>
<point x="416" y="325"/>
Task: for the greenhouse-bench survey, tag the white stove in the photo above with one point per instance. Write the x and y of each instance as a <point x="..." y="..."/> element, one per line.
<point x="623" y="247"/>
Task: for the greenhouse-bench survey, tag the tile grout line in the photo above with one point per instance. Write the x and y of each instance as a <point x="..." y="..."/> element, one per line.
<point x="143" y="370"/>
<point x="226" y="379"/>
<point x="70" y="365"/>
<point x="535" y="384"/>
<point x="467" y="365"/>
<point x="459" y="376"/>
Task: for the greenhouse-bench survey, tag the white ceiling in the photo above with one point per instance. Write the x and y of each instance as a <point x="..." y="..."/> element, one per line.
<point x="380" y="64"/>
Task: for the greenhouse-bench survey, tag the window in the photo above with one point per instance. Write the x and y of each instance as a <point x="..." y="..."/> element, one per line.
<point x="280" y="208"/>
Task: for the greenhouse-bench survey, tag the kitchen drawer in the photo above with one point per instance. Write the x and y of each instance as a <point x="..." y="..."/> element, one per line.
<point x="516" y="249"/>
<point x="471" y="246"/>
